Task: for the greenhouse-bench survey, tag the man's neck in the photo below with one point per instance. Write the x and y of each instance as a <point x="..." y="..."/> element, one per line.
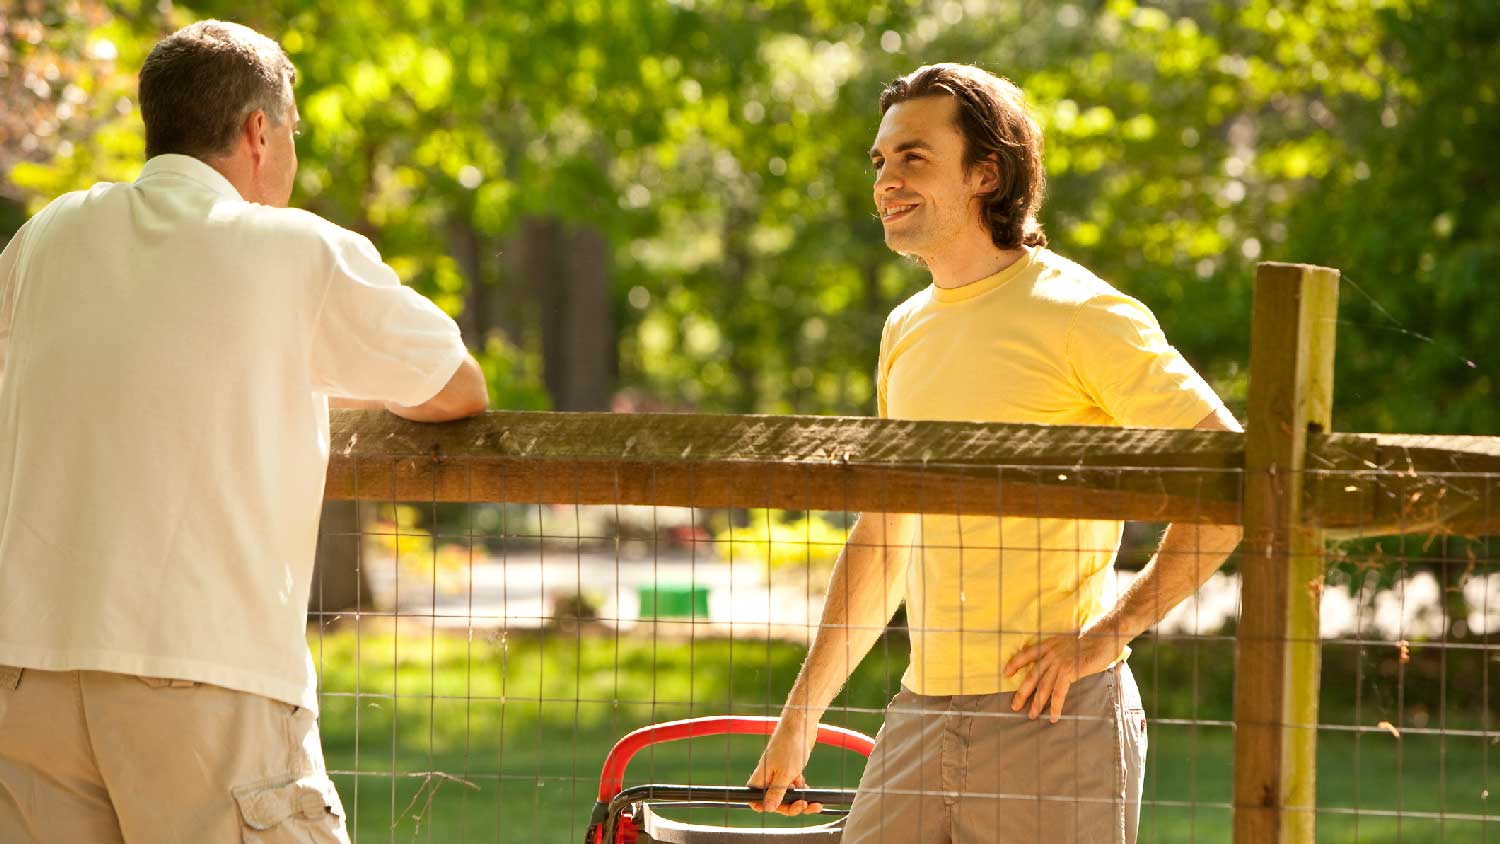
<point x="235" y="171"/>
<point x="964" y="267"/>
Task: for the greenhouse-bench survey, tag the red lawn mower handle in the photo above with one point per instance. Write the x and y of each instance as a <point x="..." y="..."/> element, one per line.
<point x="612" y="779"/>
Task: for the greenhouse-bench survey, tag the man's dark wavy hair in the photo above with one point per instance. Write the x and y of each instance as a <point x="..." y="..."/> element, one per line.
<point x="997" y="126"/>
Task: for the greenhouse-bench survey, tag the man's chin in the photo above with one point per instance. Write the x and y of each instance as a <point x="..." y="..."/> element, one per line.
<point x="903" y="246"/>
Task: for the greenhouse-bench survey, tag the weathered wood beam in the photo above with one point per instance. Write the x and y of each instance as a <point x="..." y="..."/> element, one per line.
<point x="1381" y="484"/>
<point x="1293" y="317"/>
<point x="790" y="462"/>
<point x="1358" y="484"/>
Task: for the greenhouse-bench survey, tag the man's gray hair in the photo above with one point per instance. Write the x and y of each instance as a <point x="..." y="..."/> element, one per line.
<point x="200" y="83"/>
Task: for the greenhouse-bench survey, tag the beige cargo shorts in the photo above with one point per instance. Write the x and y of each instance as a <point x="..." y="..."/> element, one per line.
<point x="88" y="757"/>
<point x="965" y="769"/>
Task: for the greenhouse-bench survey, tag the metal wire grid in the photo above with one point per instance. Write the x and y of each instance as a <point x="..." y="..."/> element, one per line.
<point x="1402" y="788"/>
<point x="1187" y="796"/>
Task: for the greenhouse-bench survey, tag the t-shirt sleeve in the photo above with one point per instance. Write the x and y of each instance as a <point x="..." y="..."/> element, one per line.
<point x="1123" y="361"/>
<point x="376" y="339"/>
<point x="882" y="372"/>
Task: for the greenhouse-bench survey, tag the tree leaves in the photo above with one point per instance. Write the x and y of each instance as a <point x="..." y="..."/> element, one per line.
<point x="718" y="148"/>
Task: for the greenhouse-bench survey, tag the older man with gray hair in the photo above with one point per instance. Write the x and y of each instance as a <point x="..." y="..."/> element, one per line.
<point x="168" y="351"/>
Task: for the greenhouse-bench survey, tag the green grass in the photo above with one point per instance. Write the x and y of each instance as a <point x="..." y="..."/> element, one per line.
<point x="517" y="729"/>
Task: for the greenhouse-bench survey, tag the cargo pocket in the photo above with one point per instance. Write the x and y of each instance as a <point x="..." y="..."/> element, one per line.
<point x="292" y="810"/>
<point x="1135" y="730"/>
<point x="1133" y="716"/>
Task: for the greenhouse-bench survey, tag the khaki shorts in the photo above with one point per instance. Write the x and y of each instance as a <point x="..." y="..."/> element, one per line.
<point x="965" y="769"/>
<point x="88" y="757"/>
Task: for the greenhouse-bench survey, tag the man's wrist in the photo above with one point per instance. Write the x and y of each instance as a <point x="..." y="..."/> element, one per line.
<point x="1108" y="631"/>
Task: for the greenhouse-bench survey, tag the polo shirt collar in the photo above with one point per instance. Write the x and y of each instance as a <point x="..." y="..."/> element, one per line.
<point x="191" y="169"/>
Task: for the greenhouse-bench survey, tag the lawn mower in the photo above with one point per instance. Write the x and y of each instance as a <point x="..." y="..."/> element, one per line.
<point x="629" y="815"/>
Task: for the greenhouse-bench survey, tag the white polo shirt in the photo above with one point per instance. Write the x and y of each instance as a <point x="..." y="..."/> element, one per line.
<point x="166" y="354"/>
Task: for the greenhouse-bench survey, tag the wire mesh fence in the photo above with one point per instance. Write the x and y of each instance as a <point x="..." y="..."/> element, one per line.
<point x="531" y="588"/>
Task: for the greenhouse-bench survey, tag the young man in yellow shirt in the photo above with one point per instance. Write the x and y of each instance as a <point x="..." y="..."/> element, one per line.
<point x="1018" y="719"/>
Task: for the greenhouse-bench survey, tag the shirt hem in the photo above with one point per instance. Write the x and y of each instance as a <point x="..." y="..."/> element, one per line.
<point x="174" y="668"/>
<point x="946" y="688"/>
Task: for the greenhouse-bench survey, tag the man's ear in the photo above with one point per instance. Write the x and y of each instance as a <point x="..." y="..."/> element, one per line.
<point x="986" y="176"/>
<point x="253" y="134"/>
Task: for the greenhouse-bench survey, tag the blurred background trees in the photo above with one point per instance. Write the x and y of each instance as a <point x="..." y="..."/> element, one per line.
<point x="649" y="204"/>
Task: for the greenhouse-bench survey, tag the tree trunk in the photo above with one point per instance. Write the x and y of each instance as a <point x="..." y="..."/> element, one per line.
<point x="464" y="246"/>
<point x="568" y="269"/>
<point x="737" y="262"/>
<point x="590" y="332"/>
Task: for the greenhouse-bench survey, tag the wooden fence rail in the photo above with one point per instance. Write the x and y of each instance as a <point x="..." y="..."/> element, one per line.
<point x="1357" y="483"/>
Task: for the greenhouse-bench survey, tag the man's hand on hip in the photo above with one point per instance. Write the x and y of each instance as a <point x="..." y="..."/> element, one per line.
<point x="1056" y="664"/>
<point x="781" y="766"/>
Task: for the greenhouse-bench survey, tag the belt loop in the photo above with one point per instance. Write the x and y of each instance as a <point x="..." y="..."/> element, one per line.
<point x="10" y="677"/>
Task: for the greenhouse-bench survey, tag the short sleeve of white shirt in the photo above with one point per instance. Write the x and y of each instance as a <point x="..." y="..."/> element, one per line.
<point x="10" y="273"/>
<point x="376" y="339"/>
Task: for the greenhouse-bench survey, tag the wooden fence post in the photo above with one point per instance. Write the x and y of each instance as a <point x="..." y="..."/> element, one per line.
<point x="1281" y="568"/>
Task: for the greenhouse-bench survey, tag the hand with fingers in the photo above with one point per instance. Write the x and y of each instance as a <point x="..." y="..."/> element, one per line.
<point x="781" y="766"/>
<point x="1056" y="664"/>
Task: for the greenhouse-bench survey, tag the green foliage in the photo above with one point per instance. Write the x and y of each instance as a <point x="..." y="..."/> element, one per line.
<point x="718" y="146"/>
<point x="67" y="76"/>
<point x="514" y="377"/>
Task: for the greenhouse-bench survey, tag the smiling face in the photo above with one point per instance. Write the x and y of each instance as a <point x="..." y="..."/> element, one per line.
<point x="927" y="202"/>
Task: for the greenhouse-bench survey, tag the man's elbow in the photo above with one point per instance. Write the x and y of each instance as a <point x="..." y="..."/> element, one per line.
<point x="468" y="394"/>
<point x="474" y="404"/>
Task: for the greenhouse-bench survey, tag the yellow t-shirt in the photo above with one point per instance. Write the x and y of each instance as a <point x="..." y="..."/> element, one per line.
<point x="1042" y="341"/>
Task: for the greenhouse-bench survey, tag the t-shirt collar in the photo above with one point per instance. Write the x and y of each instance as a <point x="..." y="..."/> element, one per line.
<point x="986" y="284"/>
<point x="191" y="169"/>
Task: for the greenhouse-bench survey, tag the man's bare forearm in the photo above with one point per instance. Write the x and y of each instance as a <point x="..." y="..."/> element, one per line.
<point x="1189" y="554"/>
<point x="867" y="585"/>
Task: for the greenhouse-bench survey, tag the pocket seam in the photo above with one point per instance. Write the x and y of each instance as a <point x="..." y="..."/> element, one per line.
<point x="1117" y="704"/>
<point x="260" y="817"/>
<point x="166" y="682"/>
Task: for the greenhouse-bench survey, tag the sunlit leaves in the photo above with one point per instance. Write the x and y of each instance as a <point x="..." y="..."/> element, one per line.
<point x="719" y="145"/>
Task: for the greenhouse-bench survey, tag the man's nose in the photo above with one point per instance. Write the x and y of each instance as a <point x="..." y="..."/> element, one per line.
<point x="888" y="180"/>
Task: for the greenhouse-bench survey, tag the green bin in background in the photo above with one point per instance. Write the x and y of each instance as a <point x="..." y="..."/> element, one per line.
<point x="673" y="600"/>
